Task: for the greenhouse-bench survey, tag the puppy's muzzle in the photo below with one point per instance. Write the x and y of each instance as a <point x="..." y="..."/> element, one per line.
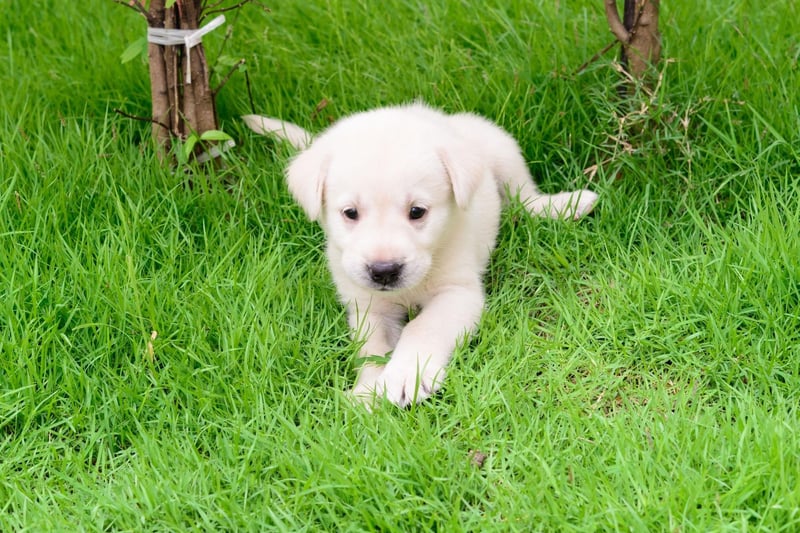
<point x="385" y="273"/>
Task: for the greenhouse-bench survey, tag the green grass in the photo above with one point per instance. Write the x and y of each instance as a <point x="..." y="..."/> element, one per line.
<point x="639" y="370"/>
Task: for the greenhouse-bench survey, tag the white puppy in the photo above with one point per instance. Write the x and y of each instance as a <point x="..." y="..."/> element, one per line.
<point x="410" y="199"/>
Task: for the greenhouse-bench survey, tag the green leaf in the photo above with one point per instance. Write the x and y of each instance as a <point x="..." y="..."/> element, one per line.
<point x="169" y="4"/>
<point x="215" y="135"/>
<point x="134" y="50"/>
<point x="188" y="146"/>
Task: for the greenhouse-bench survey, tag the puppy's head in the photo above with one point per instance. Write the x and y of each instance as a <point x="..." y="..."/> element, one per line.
<point x="388" y="191"/>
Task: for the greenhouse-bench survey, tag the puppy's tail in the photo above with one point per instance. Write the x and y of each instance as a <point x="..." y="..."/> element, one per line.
<point x="286" y="131"/>
<point x="564" y="205"/>
<point x="511" y="172"/>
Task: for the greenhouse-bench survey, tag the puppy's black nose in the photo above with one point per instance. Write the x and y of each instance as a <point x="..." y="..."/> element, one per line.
<point x="385" y="273"/>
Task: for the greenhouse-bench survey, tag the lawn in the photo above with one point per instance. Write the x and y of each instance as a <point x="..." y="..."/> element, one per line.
<point x="174" y="358"/>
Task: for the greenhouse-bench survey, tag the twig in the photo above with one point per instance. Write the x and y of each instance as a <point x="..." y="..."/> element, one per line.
<point x="213" y="10"/>
<point x="142" y="119"/>
<point x="228" y="33"/>
<point x="136" y="5"/>
<point x="213" y="68"/>
<point x="595" y="57"/>
<point x="322" y="104"/>
<point x="227" y="77"/>
<point x="204" y="7"/>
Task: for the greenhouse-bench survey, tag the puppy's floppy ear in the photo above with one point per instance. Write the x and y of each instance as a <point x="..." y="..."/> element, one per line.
<point x="464" y="169"/>
<point x="306" y="176"/>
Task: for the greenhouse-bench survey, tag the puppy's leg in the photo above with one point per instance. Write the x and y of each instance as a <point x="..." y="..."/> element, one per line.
<point x="380" y="327"/>
<point x="417" y="367"/>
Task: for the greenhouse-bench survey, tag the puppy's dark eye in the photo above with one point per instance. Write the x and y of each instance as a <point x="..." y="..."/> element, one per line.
<point x="416" y="212"/>
<point x="350" y="213"/>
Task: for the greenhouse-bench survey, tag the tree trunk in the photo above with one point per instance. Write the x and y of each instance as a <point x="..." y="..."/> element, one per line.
<point x="183" y="102"/>
<point x="159" y="82"/>
<point x="638" y="34"/>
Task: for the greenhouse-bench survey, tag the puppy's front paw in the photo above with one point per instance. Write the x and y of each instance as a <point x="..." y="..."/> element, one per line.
<point x="368" y="374"/>
<point x="363" y="395"/>
<point x="363" y="391"/>
<point x="403" y="385"/>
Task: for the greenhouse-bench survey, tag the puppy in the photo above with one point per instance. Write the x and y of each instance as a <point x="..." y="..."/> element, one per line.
<point x="410" y="199"/>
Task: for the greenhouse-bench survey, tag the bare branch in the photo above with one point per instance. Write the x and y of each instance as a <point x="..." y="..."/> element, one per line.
<point x="595" y="57"/>
<point x="141" y="119"/>
<point x="228" y="33"/>
<point x="227" y="77"/>
<point x="616" y="25"/>
<point x="204" y="8"/>
<point x="214" y="9"/>
<point x="136" y="5"/>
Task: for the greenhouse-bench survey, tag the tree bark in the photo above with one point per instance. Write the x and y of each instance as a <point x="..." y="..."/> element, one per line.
<point x="183" y="107"/>
<point x="159" y="85"/>
<point x="638" y="33"/>
<point x="205" y="117"/>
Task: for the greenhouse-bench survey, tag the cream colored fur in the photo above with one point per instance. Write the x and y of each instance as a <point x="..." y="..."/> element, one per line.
<point x="410" y="202"/>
